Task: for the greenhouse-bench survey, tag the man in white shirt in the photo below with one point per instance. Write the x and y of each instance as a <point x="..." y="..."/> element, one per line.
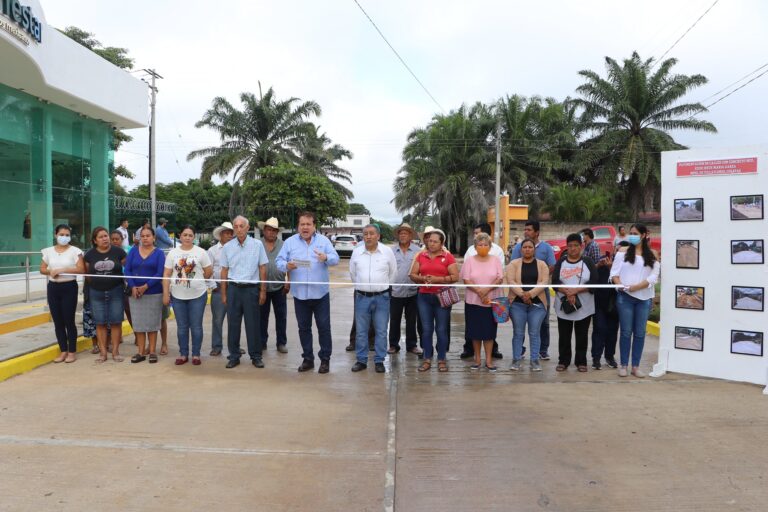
<point x="496" y="250"/>
<point x="123" y="229"/>
<point x="372" y="268"/>
<point x="223" y="234"/>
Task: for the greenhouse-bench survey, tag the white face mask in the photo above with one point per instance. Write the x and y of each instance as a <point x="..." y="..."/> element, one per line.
<point x="63" y="239"/>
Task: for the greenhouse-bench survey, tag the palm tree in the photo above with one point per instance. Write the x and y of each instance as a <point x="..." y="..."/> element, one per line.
<point x="537" y="140"/>
<point x="449" y="171"/>
<point x="628" y="115"/>
<point x="266" y="132"/>
<point x="319" y="155"/>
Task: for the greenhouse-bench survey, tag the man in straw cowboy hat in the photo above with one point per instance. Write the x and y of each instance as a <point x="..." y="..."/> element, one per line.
<point x="276" y="292"/>
<point x="404" y="297"/>
<point x="223" y="234"/>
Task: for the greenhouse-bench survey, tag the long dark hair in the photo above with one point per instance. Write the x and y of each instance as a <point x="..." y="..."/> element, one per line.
<point x="645" y="248"/>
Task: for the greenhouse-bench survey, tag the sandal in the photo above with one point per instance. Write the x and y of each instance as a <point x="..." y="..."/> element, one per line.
<point x="181" y="360"/>
<point x="118" y="358"/>
<point x="102" y="358"/>
<point x="196" y="361"/>
<point x="442" y="366"/>
<point x="152" y="358"/>
<point x="561" y="368"/>
<point x="425" y="366"/>
<point x="138" y="358"/>
<point x="164" y="350"/>
<point x="95" y="350"/>
<point x="582" y="368"/>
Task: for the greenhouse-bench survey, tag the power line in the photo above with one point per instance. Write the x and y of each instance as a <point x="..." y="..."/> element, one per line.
<point x="736" y="89"/>
<point x="734" y="83"/>
<point x="399" y="57"/>
<point x="686" y="32"/>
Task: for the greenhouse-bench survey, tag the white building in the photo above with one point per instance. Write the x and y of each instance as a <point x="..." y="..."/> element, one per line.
<point x="351" y="224"/>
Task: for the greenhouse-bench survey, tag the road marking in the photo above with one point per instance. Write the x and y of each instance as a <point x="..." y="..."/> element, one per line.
<point x="389" y="476"/>
<point x="128" y="445"/>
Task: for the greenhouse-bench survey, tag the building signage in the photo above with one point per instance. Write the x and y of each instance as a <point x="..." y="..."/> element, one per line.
<point x="22" y="16"/>
<point x="725" y="167"/>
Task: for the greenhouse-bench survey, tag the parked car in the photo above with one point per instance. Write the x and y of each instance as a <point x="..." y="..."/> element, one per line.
<point x="604" y="236"/>
<point x="345" y="244"/>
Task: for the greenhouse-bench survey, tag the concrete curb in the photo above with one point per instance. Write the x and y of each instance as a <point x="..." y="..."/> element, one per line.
<point x="24" y="323"/>
<point x="27" y="362"/>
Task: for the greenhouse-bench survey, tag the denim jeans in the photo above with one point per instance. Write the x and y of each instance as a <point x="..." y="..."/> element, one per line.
<point x="243" y="307"/>
<point x="605" y="331"/>
<point x="434" y="319"/>
<point x="189" y="318"/>
<point x="321" y="310"/>
<point x="369" y="309"/>
<point x="277" y="300"/>
<point x="633" y="315"/>
<point x="218" y="313"/>
<point x="532" y="315"/>
<point x="62" y="303"/>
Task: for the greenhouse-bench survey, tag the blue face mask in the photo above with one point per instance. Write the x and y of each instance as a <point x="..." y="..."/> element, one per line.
<point x="63" y="239"/>
<point x="634" y="239"/>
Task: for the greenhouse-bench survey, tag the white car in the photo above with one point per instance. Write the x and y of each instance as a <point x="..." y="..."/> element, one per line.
<point x="345" y="244"/>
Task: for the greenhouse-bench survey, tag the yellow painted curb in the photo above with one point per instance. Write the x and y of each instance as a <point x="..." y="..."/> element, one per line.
<point x="653" y="328"/>
<point x="24" y="323"/>
<point x="27" y="362"/>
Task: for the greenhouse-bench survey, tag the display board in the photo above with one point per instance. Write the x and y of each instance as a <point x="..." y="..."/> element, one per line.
<point x="713" y="269"/>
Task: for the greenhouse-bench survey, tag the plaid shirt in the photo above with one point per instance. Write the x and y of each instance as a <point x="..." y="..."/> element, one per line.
<point x="592" y="251"/>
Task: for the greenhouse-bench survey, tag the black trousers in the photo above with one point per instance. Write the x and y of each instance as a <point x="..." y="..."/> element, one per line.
<point x="565" y="329"/>
<point x="605" y="332"/>
<point x="398" y="306"/>
<point x="62" y="302"/>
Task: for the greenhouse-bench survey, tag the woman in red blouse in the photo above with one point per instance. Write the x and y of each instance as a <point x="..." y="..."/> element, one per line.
<point x="434" y="266"/>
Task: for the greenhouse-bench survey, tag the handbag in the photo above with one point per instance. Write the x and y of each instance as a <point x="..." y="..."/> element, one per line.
<point x="500" y="309"/>
<point x="448" y="297"/>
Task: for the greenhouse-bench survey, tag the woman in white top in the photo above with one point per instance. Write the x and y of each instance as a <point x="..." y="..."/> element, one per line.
<point x="636" y="270"/>
<point x="63" y="258"/>
<point x="187" y="266"/>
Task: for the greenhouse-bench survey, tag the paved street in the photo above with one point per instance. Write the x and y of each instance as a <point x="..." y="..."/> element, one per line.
<point x="123" y="437"/>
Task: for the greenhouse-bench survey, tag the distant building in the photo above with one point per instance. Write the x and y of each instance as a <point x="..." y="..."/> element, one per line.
<point x="352" y="224"/>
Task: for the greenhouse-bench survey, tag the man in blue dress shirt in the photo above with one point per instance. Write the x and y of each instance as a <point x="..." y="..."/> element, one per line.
<point x="243" y="272"/>
<point x="306" y="257"/>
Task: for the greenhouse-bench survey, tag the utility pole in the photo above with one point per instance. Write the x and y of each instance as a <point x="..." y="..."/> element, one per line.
<point x="497" y="223"/>
<point x="152" y="133"/>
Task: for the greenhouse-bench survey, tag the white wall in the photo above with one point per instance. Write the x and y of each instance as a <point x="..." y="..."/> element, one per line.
<point x="65" y="73"/>
<point x="716" y="273"/>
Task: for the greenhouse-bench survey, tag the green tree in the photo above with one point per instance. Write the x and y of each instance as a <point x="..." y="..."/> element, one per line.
<point x="357" y="209"/>
<point x="449" y="170"/>
<point x="628" y="116"/>
<point x="567" y="203"/>
<point x="286" y="187"/>
<point x="387" y="230"/>
<point x="265" y="133"/>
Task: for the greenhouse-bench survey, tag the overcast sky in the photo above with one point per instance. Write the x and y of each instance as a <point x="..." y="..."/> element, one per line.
<point x="462" y="51"/>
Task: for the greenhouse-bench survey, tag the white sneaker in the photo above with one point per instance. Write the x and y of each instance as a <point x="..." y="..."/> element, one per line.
<point x="623" y="371"/>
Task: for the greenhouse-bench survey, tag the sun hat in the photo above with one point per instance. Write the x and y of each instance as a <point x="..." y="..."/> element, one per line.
<point x="224" y="226"/>
<point x="271" y="222"/>
<point x="429" y="230"/>
<point x="405" y="227"/>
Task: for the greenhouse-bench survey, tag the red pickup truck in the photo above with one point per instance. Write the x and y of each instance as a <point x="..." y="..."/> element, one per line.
<point x="604" y="236"/>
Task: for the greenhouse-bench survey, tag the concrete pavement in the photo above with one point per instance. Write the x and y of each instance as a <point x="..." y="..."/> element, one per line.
<point x="119" y="436"/>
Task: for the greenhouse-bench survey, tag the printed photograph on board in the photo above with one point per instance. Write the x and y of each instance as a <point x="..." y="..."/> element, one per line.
<point x="689" y="297"/>
<point x="687" y="254"/>
<point x="748" y="298"/>
<point x="747" y="207"/>
<point x="749" y="343"/>
<point x="689" y="210"/>
<point x="747" y="252"/>
<point x="689" y="338"/>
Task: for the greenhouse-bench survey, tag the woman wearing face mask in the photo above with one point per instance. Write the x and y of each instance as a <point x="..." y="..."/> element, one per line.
<point x="636" y="270"/>
<point x="527" y="302"/>
<point x="481" y="273"/>
<point x="63" y="258"/>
